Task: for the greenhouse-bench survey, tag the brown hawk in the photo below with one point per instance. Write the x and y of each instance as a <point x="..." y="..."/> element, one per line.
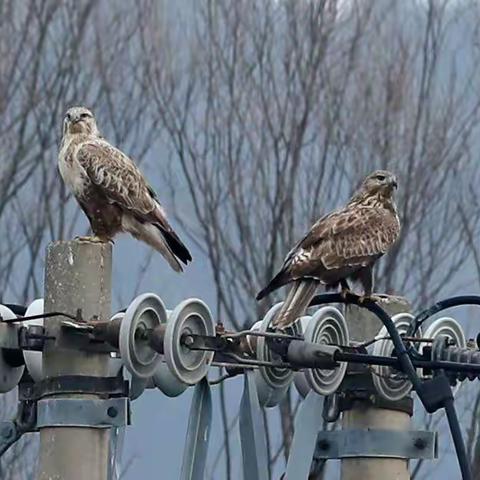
<point x="342" y="245"/>
<point x="112" y="191"/>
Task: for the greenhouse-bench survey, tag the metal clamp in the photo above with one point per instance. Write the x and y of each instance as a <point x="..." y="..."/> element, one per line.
<point x="73" y="384"/>
<point x="77" y="412"/>
<point x="359" y="387"/>
<point x="376" y="444"/>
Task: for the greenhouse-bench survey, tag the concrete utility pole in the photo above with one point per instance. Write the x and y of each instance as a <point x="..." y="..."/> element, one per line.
<point x="78" y="276"/>
<point x="366" y="414"/>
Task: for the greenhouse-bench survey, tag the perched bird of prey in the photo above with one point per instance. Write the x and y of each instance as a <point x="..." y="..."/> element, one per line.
<point x="342" y="245"/>
<point x="112" y="191"/>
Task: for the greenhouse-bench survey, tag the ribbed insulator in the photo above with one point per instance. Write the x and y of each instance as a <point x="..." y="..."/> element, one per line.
<point x="461" y="355"/>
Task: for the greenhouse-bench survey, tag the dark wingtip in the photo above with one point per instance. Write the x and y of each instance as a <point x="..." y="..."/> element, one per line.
<point x="279" y="280"/>
<point x="259" y="296"/>
<point x="186" y="258"/>
<point x="176" y="245"/>
<point x="262" y="294"/>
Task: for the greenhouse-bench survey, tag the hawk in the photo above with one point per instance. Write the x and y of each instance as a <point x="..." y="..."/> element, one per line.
<point x="112" y="191"/>
<point x="343" y="245"/>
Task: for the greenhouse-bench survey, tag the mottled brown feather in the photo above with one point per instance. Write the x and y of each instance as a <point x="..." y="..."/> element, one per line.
<point x="342" y="243"/>
<point x="122" y="183"/>
<point x="118" y="177"/>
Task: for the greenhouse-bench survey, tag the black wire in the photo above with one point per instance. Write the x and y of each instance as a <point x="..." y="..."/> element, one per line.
<point x="404" y="358"/>
<point x="438" y="307"/>
<point x="355" y="357"/>
<point x="458" y="439"/>
<point x="372" y="306"/>
<point x="39" y="316"/>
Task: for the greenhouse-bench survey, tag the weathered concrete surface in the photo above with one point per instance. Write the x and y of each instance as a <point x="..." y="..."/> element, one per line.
<point x="77" y="275"/>
<point x="362" y="326"/>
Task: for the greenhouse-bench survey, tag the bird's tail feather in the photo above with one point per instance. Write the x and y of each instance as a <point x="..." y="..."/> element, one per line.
<point x="296" y="303"/>
<point x="151" y="235"/>
<point x="176" y="245"/>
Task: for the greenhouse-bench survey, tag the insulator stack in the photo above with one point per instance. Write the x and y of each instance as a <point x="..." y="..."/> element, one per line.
<point x="443" y="351"/>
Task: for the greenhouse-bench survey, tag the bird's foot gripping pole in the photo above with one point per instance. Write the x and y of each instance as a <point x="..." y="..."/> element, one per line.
<point x="348" y="296"/>
<point x="368" y="298"/>
<point x="93" y="239"/>
<point x="346" y="293"/>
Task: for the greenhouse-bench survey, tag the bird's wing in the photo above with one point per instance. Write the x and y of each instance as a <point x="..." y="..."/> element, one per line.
<point x="354" y="236"/>
<point x="116" y="176"/>
<point x="122" y="183"/>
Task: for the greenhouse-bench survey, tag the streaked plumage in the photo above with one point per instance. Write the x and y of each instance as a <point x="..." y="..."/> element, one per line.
<point x="112" y="191"/>
<point x="342" y="245"/>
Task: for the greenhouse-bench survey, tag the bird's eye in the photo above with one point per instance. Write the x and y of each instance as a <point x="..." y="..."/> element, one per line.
<point x="380" y="177"/>
<point x="85" y="115"/>
<point x="67" y="117"/>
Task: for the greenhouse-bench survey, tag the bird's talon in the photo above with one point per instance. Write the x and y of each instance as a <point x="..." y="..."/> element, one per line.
<point x="345" y="292"/>
<point x="93" y="239"/>
<point x="369" y="298"/>
<point x="80" y="238"/>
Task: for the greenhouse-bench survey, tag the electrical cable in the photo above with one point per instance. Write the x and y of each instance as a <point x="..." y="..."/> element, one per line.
<point x="406" y="362"/>
<point x="372" y="306"/>
<point x="440" y="306"/>
<point x="457" y="438"/>
<point x="40" y="316"/>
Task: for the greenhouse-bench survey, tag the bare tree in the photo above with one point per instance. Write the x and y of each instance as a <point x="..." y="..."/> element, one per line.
<point x="54" y="54"/>
<point x="271" y="112"/>
<point x="274" y="111"/>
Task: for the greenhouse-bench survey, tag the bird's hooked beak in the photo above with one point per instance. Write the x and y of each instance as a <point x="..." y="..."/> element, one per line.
<point x="73" y="119"/>
<point x="394" y="183"/>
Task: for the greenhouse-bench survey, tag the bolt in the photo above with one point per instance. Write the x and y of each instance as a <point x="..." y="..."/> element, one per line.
<point x="323" y="445"/>
<point x="420" y="443"/>
<point x="188" y="340"/>
<point x="112" y="412"/>
<point x="141" y="333"/>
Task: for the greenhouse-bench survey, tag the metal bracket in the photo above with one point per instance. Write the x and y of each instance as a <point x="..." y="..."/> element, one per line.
<point x="207" y="343"/>
<point x="252" y="432"/>
<point x="359" y="387"/>
<point x="376" y="444"/>
<point x="76" y="412"/>
<point x="307" y="423"/>
<point x="198" y="433"/>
